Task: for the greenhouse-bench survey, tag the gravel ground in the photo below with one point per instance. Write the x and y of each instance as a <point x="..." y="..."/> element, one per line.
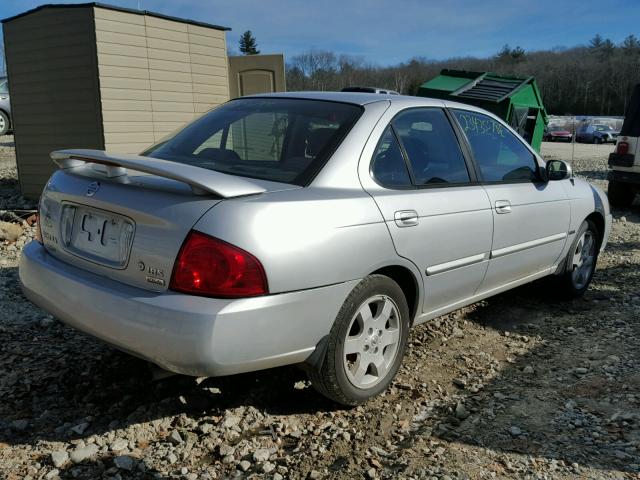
<point x="518" y="386"/>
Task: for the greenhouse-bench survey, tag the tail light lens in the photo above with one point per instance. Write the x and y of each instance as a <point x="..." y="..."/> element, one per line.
<point x="210" y="267"/>
<point x="622" y="148"/>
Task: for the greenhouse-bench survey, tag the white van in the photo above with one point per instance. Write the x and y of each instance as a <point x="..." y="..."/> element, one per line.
<point x="624" y="176"/>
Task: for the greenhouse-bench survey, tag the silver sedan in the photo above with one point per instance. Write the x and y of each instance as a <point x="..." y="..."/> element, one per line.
<point x="306" y="228"/>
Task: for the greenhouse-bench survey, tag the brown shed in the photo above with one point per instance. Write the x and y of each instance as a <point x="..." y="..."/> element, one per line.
<point x="109" y="78"/>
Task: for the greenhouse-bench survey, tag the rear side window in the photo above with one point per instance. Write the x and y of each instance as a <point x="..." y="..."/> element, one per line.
<point x="388" y="166"/>
<point x="4" y="87"/>
<point x="279" y="139"/>
<point x="431" y="146"/>
<point x="500" y="155"/>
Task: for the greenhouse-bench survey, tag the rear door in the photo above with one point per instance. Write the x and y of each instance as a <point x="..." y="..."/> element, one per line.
<point x="439" y="217"/>
<point x="530" y="217"/>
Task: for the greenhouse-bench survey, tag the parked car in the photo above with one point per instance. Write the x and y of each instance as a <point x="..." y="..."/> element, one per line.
<point x="624" y="162"/>
<point x="596" y="134"/>
<point x="306" y="228"/>
<point x="5" y="107"/>
<point x="555" y="133"/>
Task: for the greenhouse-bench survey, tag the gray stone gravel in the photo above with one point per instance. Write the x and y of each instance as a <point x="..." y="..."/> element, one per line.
<point x="518" y="386"/>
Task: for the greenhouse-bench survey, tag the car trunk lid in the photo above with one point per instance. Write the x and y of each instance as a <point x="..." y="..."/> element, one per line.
<point x="125" y="217"/>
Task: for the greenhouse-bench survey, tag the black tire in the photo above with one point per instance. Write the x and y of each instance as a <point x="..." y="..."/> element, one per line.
<point x="330" y="378"/>
<point x="568" y="287"/>
<point x="4" y="124"/>
<point x="621" y="195"/>
<point x="597" y="140"/>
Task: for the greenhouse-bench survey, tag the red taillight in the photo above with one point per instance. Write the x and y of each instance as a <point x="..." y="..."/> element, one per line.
<point x="210" y="267"/>
<point x="622" y="148"/>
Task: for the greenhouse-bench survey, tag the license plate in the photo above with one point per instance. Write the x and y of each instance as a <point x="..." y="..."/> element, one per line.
<point x="97" y="235"/>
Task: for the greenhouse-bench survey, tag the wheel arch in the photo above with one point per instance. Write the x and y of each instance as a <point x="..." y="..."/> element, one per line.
<point x="598" y="219"/>
<point x="407" y="281"/>
<point x="8" y="115"/>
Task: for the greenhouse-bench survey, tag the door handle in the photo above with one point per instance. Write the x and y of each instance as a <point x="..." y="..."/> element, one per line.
<point x="503" y="206"/>
<point x="406" y="218"/>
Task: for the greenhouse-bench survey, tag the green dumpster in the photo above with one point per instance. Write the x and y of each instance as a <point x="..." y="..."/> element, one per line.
<point x="517" y="100"/>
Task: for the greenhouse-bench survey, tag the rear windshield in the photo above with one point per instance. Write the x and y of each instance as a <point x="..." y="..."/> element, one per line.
<point x="277" y="139"/>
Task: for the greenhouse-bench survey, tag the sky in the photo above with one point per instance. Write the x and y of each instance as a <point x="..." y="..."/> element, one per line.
<point x="387" y="32"/>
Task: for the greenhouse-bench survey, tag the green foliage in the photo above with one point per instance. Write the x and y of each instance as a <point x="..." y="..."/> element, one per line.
<point x="248" y="45"/>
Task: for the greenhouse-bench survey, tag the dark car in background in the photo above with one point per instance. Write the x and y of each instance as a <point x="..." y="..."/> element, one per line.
<point x="556" y="133"/>
<point x="5" y="108"/>
<point x="597" y="133"/>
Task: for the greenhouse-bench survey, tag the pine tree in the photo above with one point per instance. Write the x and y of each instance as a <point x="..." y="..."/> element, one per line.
<point x="596" y="42"/>
<point x="631" y="44"/>
<point x="248" y="44"/>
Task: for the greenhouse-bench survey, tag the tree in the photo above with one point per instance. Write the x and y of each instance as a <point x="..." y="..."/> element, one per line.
<point x="517" y="53"/>
<point x="596" y="42"/>
<point x="593" y="79"/>
<point x="504" y="53"/>
<point x="248" y="44"/>
<point x="510" y="55"/>
<point x="631" y="44"/>
<point x="608" y="47"/>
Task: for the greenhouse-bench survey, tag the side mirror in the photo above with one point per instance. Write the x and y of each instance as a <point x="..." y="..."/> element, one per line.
<point x="558" y="170"/>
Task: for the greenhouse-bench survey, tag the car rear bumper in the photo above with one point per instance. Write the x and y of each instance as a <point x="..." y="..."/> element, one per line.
<point x="184" y="333"/>
<point x="618" y="160"/>
<point x="632" y="178"/>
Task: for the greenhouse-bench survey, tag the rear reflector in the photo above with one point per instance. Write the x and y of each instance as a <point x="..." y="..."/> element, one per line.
<point x="622" y="148"/>
<point x="211" y="267"/>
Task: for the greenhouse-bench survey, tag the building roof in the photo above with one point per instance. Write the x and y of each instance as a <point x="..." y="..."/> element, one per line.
<point x="481" y="86"/>
<point x="119" y="9"/>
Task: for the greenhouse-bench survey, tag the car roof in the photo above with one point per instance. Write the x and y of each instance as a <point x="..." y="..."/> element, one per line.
<point x="357" y="98"/>
<point x="361" y="98"/>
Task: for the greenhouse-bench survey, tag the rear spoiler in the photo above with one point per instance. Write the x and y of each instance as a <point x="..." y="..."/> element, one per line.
<point x="201" y="180"/>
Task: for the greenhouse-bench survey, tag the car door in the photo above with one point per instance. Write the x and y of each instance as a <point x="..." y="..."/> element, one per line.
<point x="530" y="216"/>
<point x="438" y="215"/>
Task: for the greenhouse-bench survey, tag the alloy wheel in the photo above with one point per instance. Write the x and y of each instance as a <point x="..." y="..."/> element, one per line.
<point x="583" y="261"/>
<point x="372" y="341"/>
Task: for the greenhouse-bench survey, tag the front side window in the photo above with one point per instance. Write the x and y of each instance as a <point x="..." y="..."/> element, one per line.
<point x="431" y="146"/>
<point x="277" y="139"/>
<point x="4" y="86"/>
<point x="500" y="155"/>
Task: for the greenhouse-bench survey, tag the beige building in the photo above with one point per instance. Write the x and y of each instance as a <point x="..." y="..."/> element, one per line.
<point x="96" y="76"/>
